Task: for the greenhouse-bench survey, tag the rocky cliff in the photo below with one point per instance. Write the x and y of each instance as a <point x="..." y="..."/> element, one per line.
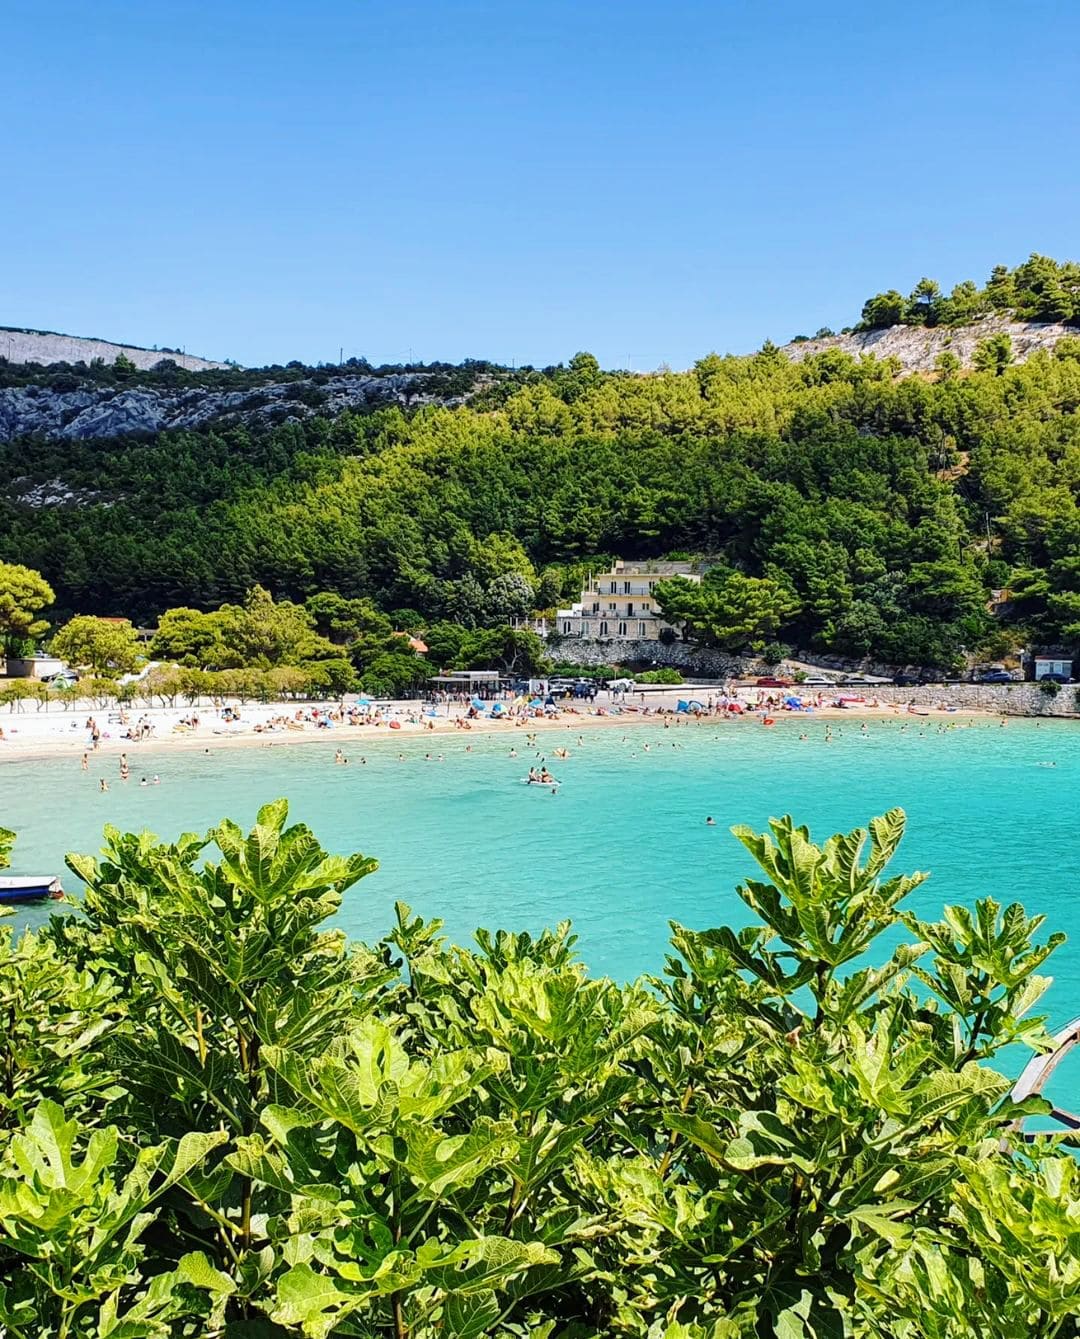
<point x="118" y="412"/>
<point x="45" y="347"/>
<point x="917" y="349"/>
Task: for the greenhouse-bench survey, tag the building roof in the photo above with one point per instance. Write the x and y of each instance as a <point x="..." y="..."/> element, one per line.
<point x="651" y="567"/>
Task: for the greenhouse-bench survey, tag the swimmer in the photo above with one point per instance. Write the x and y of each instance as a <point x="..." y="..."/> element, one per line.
<point x="156" y="780"/>
<point x="103" y="785"/>
<point x="339" y="757"/>
<point x="710" y="822"/>
<point x="143" y="782"/>
<point x="86" y="762"/>
<point x="513" y="753"/>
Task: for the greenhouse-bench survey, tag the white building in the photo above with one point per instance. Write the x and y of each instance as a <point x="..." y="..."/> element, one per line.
<point x="619" y="605"/>
<point x="1055" y="666"/>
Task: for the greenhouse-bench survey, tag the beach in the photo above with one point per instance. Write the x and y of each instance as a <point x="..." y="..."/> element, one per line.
<point x="35" y="733"/>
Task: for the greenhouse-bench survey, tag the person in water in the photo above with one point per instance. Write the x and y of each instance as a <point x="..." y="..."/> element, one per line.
<point x="710" y="822"/>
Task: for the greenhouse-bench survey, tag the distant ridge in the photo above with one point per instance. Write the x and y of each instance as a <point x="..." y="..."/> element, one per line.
<point x="46" y="346"/>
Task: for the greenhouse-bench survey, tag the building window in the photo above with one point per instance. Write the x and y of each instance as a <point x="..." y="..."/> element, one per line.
<point x="614" y="587"/>
<point x="567" y="626"/>
<point x="596" y="606"/>
<point x="629" y="608"/>
<point x="612" y="606"/>
<point x="603" y="629"/>
<point x="622" y="629"/>
<point x="641" y="629"/>
<point x="626" y="588"/>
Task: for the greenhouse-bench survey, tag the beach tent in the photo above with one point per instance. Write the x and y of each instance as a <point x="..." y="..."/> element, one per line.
<point x="478" y="704"/>
<point x="683" y="706"/>
<point x="536" y="702"/>
<point x="793" y="702"/>
<point x="695" y="705"/>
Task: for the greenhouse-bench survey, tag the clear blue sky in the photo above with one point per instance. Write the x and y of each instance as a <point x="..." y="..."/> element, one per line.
<point x="646" y="180"/>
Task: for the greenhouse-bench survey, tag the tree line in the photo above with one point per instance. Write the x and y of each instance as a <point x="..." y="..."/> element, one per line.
<point x="1041" y="289"/>
<point x="258" y="648"/>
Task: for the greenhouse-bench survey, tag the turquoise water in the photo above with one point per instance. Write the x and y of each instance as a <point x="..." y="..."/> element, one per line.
<point x="623" y="847"/>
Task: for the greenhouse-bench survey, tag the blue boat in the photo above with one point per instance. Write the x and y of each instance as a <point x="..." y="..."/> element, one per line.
<point x="29" y="888"/>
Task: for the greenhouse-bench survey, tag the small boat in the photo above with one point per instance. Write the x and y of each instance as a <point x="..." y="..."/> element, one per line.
<point x="29" y="888"/>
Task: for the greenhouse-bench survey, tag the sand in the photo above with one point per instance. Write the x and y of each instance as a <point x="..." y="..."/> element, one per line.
<point x="35" y="733"/>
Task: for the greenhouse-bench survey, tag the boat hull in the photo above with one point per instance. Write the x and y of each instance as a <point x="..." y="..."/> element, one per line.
<point x="29" y="889"/>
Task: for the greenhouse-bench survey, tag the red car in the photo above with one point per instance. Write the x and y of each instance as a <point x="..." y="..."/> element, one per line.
<point x="770" y="682"/>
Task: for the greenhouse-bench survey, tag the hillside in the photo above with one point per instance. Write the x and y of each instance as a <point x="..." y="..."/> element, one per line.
<point x="81" y="412"/>
<point x="872" y="514"/>
<point x="917" y="348"/>
<point x="46" y="347"/>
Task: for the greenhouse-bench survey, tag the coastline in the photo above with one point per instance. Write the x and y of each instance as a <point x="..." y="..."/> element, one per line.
<point x="43" y="735"/>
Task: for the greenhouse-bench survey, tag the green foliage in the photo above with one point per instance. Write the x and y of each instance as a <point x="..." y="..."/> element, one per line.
<point x="106" y="646"/>
<point x="994" y="354"/>
<point x="727" y="609"/>
<point x="660" y="676"/>
<point x="23" y="594"/>
<point x="220" y="1119"/>
<point x="1041" y="289"/>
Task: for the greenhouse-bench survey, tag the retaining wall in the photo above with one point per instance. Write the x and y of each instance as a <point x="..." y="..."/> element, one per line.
<point x="1006" y="699"/>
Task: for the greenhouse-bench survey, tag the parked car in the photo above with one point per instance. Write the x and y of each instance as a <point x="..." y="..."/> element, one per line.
<point x="1003" y="676"/>
<point x="906" y="680"/>
<point x="770" y="681"/>
<point x="60" y="678"/>
<point x="816" y="681"/>
<point x="1055" y="678"/>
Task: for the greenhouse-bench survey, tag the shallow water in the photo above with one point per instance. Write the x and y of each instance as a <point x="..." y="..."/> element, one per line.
<point x="623" y="847"/>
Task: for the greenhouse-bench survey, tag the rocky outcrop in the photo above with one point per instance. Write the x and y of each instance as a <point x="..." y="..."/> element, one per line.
<point x="113" y="412"/>
<point x="917" y="349"/>
<point x="44" y="347"/>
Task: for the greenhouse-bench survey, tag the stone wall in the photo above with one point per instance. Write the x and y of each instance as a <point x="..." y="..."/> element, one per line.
<point x="701" y="662"/>
<point x="1005" y="699"/>
<point x="704" y="663"/>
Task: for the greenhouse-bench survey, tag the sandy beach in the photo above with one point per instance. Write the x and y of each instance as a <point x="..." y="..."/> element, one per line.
<point x="59" y="733"/>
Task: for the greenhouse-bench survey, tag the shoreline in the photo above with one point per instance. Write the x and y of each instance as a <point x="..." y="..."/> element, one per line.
<point x="67" y="737"/>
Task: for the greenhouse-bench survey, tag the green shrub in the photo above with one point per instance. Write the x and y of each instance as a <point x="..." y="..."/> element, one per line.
<point x="219" y="1118"/>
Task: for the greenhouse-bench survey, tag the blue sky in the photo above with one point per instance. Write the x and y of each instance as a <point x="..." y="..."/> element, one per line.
<point x="649" y="181"/>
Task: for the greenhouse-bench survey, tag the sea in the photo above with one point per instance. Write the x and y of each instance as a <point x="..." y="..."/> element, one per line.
<point x="623" y="846"/>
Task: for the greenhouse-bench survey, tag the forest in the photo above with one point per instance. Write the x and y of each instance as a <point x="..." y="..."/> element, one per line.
<point x="219" y="1119"/>
<point x="914" y="519"/>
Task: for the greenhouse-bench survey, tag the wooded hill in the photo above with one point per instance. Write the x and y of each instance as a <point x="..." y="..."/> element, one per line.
<point x="887" y="508"/>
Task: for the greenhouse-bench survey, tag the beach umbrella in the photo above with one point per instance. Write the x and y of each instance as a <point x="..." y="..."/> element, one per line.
<point x="363" y="701"/>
